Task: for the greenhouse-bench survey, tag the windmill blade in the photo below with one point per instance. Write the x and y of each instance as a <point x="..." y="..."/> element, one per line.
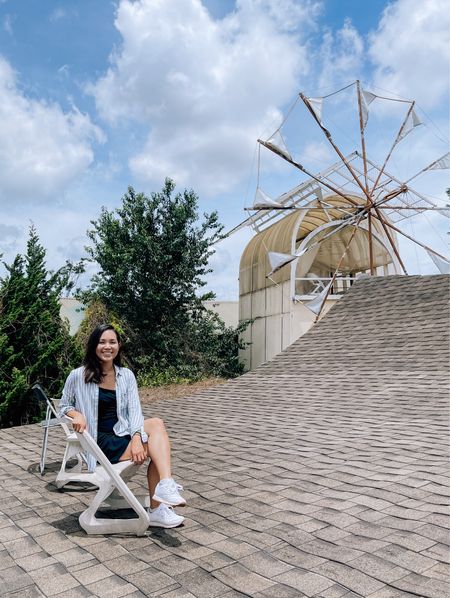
<point x="334" y="146"/>
<point x="278" y="260"/>
<point x="398" y="230"/>
<point x="367" y="97"/>
<point x="411" y="122"/>
<point x="442" y="163"/>
<point x="262" y="201"/>
<point x="317" y="107"/>
<point x="317" y="303"/>
<point x="442" y="265"/>
<point x="401" y="133"/>
<point x="277" y="142"/>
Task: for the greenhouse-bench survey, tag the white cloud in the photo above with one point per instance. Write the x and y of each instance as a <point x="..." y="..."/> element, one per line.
<point x="58" y="14"/>
<point x="341" y="55"/>
<point x="319" y="153"/>
<point x="42" y="148"/>
<point x="7" y="24"/>
<point x="225" y="263"/>
<point x="410" y="50"/>
<point x="9" y="235"/>
<point x="204" y="89"/>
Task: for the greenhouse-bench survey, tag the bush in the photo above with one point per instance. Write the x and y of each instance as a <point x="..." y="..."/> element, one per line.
<point x="35" y="345"/>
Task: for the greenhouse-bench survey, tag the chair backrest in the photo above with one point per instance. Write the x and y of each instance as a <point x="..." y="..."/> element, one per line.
<point x="52" y="407"/>
<point x="40" y="395"/>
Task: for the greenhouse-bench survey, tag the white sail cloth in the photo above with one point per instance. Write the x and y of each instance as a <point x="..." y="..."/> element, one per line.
<point x="277" y="142"/>
<point x="278" y="260"/>
<point x="317" y="303"/>
<point x="262" y="201"/>
<point x="442" y="265"/>
<point x="412" y="121"/>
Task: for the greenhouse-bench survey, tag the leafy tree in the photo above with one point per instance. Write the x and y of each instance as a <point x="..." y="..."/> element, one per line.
<point x="34" y="342"/>
<point x="153" y="255"/>
<point x="95" y="314"/>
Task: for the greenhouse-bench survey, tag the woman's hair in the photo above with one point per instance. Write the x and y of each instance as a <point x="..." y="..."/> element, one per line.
<point x="92" y="365"/>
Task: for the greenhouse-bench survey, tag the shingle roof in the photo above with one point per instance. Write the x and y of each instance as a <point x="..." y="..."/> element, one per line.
<point x="322" y="473"/>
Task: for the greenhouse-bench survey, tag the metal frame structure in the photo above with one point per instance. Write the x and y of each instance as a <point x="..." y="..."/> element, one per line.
<point x="350" y="175"/>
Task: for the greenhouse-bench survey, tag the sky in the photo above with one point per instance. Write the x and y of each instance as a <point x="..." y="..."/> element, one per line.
<point x="97" y="96"/>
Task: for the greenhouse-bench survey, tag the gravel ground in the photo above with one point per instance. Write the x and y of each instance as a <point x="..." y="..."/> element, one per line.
<point x="150" y="394"/>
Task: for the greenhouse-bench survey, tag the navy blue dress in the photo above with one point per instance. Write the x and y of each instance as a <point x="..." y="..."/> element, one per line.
<point x="112" y="445"/>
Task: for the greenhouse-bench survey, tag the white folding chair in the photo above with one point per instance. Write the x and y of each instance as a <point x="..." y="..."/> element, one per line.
<point x="73" y="448"/>
<point x="112" y="490"/>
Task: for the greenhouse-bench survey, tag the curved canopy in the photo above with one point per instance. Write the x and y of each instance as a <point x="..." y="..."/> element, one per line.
<point x="303" y="228"/>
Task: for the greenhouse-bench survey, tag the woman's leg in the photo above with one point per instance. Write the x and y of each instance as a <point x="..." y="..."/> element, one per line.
<point x="158" y="449"/>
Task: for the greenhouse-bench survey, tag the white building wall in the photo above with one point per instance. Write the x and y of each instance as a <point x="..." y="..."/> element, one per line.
<point x="72" y="310"/>
<point x="228" y="311"/>
<point x="278" y="322"/>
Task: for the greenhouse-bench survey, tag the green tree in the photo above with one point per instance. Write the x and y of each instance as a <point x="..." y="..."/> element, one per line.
<point x="153" y="255"/>
<point x="95" y="314"/>
<point x="35" y="345"/>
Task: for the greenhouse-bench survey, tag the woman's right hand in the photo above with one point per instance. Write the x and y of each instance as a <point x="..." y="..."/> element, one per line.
<point x="78" y="422"/>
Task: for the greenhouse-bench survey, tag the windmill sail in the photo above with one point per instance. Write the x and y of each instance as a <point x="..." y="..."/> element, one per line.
<point x="367" y="98"/>
<point x="412" y="121"/>
<point x="262" y="201"/>
<point x="277" y="142"/>
<point x="278" y="260"/>
<point x="441" y="164"/>
<point x="316" y="304"/>
<point x="442" y="265"/>
<point x="316" y="105"/>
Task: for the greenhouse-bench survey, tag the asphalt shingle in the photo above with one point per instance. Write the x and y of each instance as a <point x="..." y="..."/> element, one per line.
<point x="322" y="473"/>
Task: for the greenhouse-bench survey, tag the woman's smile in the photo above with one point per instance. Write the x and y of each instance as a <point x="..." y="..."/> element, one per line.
<point x="108" y="346"/>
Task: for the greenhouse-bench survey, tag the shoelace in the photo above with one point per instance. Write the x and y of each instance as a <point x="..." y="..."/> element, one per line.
<point x="173" y="483"/>
<point x="166" y="507"/>
<point x="162" y="507"/>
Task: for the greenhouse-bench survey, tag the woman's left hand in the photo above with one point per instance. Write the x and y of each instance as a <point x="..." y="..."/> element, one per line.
<point x="138" y="455"/>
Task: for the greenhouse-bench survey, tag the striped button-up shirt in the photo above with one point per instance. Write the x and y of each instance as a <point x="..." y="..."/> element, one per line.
<point x="83" y="397"/>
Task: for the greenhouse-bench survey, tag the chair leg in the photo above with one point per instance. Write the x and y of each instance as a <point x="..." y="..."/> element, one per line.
<point x="97" y="525"/>
<point x="73" y="449"/>
<point x="44" y="444"/>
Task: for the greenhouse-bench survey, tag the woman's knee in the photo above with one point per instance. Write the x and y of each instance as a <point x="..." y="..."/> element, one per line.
<point x="154" y="424"/>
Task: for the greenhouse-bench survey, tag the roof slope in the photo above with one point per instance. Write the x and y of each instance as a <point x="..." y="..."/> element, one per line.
<point x="384" y="324"/>
<point x="321" y="473"/>
<point x="334" y="454"/>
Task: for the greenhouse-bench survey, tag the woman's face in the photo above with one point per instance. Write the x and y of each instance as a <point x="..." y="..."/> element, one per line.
<point x="107" y="347"/>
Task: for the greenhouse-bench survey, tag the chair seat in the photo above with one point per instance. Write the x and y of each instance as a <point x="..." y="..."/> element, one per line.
<point x="53" y="423"/>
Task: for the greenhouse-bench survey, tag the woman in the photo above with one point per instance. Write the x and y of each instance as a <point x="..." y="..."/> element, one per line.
<point x="102" y="397"/>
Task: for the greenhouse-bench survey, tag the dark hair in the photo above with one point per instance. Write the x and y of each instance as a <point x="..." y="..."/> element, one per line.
<point x="92" y="366"/>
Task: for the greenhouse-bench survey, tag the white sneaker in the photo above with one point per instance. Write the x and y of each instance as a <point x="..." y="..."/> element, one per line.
<point x="167" y="492"/>
<point x="164" y="516"/>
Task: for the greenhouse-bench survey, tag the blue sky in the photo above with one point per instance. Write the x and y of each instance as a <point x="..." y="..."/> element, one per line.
<point x="95" y="96"/>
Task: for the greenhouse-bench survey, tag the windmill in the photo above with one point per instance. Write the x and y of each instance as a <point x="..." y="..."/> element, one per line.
<point x="351" y="211"/>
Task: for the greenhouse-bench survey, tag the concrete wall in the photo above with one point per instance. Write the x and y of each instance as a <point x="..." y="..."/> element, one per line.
<point x="71" y="309"/>
<point x="228" y="311"/>
<point x="277" y="322"/>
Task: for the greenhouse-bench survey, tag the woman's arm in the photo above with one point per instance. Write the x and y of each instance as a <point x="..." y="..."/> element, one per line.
<point x="68" y="401"/>
<point x="136" y="419"/>
<point x="79" y="423"/>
